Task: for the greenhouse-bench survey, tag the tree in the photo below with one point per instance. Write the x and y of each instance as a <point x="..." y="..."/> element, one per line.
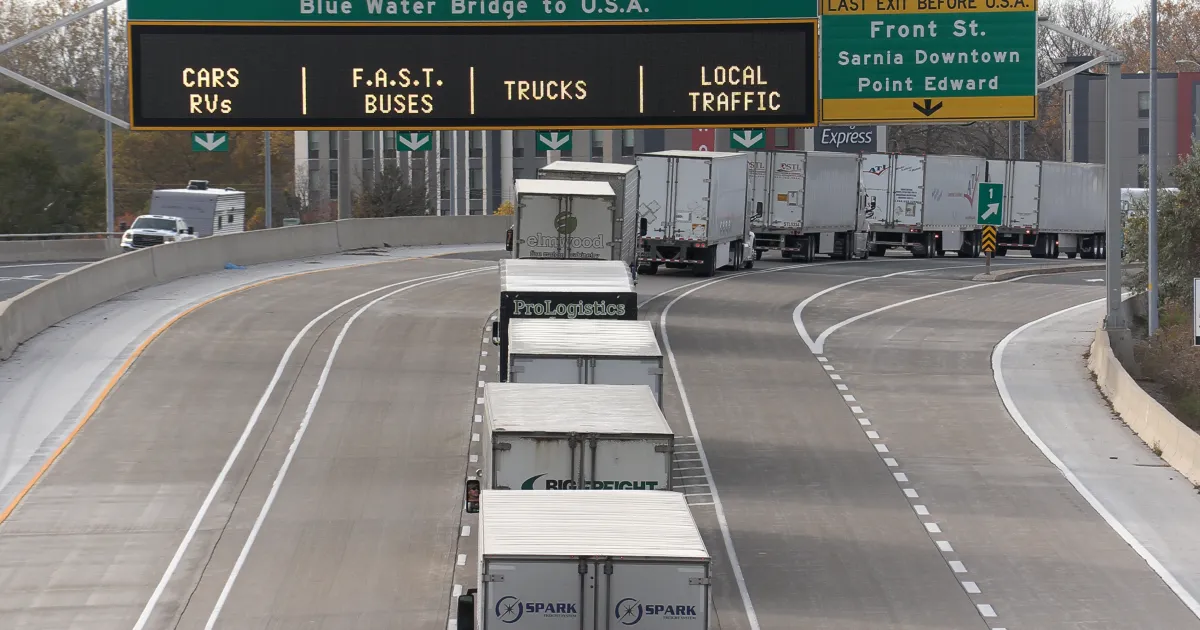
<point x="1178" y="37"/>
<point x="505" y="209"/>
<point x="1178" y="235"/>
<point x="147" y="161"/>
<point x="388" y="195"/>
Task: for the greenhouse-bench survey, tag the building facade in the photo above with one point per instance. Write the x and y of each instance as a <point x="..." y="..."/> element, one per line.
<point x="472" y="172"/>
<point x="1084" y="116"/>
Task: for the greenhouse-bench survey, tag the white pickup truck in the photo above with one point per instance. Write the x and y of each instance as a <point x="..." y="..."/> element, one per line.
<point x="155" y="229"/>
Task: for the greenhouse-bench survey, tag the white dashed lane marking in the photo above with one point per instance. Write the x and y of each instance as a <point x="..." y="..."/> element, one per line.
<point x="922" y="511"/>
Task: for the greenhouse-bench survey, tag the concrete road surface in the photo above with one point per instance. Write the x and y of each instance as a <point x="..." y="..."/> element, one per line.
<point x="16" y="278"/>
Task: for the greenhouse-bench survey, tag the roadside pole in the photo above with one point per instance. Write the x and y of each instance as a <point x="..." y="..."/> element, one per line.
<point x="267" y="177"/>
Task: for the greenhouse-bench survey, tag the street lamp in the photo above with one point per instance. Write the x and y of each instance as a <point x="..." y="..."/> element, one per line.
<point x="1152" y="262"/>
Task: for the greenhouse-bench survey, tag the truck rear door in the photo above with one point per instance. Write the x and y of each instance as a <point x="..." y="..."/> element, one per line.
<point x="787" y="202"/>
<point x="530" y="595"/>
<point x="758" y="187"/>
<point x="1025" y="184"/>
<point x="689" y="183"/>
<point x="591" y="221"/>
<point x="907" y="188"/>
<point x="666" y="596"/>
<point x="537" y="236"/>
<point x="628" y="464"/>
<point x="874" y="201"/>
<point x="554" y="370"/>
<point x="626" y="371"/>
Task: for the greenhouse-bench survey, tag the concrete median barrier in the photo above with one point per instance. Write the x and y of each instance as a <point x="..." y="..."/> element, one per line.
<point x="1156" y="426"/>
<point x="50" y="302"/>
<point x="62" y="250"/>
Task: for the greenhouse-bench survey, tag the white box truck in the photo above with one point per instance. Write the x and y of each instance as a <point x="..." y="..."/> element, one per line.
<point x="543" y="436"/>
<point x="1022" y="183"/>
<point x="207" y="210"/>
<point x="692" y="211"/>
<point x="625" y="180"/>
<point x="592" y="352"/>
<point x="596" y="560"/>
<point x="566" y="220"/>
<point x="561" y="289"/>
<point x="805" y="203"/>
<point x="1072" y="211"/>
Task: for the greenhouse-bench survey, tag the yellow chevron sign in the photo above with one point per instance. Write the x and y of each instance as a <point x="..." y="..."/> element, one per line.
<point x="989" y="239"/>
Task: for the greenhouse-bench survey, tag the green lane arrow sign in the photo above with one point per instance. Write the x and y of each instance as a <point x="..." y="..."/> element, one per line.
<point x="910" y="61"/>
<point x="554" y="141"/>
<point x="748" y="138"/>
<point x="989" y="204"/>
<point x="485" y="11"/>
<point x="409" y="141"/>
<point x="210" y="142"/>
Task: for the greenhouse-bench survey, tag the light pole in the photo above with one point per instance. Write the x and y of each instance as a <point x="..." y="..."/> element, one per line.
<point x="1152" y="236"/>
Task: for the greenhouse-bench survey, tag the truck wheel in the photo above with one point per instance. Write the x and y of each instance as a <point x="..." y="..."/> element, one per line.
<point x="1072" y="255"/>
<point x="879" y="251"/>
<point x="707" y="268"/>
<point x="757" y="255"/>
<point x="749" y="264"/>
<point x="651" y="269"/>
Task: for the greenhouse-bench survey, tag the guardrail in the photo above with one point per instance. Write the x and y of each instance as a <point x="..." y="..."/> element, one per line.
<point x="35" y="310"/>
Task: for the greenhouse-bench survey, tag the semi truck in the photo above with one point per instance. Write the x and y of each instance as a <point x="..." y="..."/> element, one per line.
<point x="805" y="203"/>
<point x="561" y="289"/>
<point x="549" y="436"/>
<point x="692" y="212"/>
<point x="1072" y="211"/>
<point x="594" y="560"/>
<point x="566" y="220"/>
<point x="925" y="204"/>
<point x="593" y="352"/>
<point x="624" y="180"/>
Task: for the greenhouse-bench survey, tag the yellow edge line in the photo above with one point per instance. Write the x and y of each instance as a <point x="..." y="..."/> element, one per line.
<point x="137" y="352"/>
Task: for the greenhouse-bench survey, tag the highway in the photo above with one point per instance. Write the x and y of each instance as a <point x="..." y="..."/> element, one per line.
<point x="15" y="278"/>
<point x="292" y="456"/>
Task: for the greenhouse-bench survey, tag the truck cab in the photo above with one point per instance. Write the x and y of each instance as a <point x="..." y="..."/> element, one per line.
<point x="149" y="230"/>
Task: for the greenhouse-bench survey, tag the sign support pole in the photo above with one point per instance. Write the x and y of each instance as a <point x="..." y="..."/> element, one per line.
<point x="109" y="202"/>
<point x="267" y="176"/>
<point x="1114" y="239"/>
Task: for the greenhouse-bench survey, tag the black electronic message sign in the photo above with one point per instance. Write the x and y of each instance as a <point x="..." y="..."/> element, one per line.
<point x="213" y="77"/>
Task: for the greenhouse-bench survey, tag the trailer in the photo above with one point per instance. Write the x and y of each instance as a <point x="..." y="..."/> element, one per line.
<point x="624" y="180"/>
<point x="592" y="352"/>
<point x="566" y="220"/>
<point x="1022" y="184"/>
<point x="891" y="198"/>
<point x="561" y="289"/>
<point x="805" y="203"/>
<point x="930" y="203"/>
<point x="543" y="436"/>
<point x="1073" y="211"/>
<point x="692" y="211"/>
<point x="594" y="560"/>
<point x="208" y="210"/>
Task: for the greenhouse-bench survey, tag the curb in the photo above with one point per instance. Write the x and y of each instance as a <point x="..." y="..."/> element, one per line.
<point x="1036" y="271"/>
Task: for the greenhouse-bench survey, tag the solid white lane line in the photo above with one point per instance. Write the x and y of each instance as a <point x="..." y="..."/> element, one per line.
<point x="173" y="565"/>
<point x="1117" y="526"/>
<point x="300" y="431"/>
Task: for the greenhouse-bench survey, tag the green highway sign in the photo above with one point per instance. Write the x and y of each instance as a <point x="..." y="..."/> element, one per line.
<point x="748" y="138"/>
<point x="210" y="142"/>
<point x="912" y="61"/>
<point x="554" y="141"/>
<point x="410" y="141"/>
<point x="989" y="204"/>
<point x="477" y="11"/>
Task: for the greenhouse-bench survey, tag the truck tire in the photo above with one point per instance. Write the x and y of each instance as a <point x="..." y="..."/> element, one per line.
<point x="848" y="246"/>
<point x="879" y="251"/>
<point x="708" y="268"/>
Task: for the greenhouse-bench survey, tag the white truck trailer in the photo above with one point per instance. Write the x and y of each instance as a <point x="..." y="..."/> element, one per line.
<point x="805" y="203"/>
<point x="692" y="211"/>
<point x="567" y="220"/>
<point x="592" y="352"/>
<point x="1022" y="183"/>
<point x="561" y="289"/>
<point x="595" y="560"/>
<point x="207" y="210"/>
<point x="543" y="436"/>
<point x="624" y="180"/>
<point x="1072" y="211"/>
<point x="925" y="204"/>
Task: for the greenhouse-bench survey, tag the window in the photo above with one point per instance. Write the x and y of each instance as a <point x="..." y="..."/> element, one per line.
<point x="445" y="185"/>
<point x="782" y="137"/>
<point x="333" y="183"/>
<point x="314" y="145"/>
<point x="475" y="182"/>
<point x="1143" y="141"/>
<point x="1143" y="104"/>
<point x="627" y="142"/>
<point x="598" y="144"/>
<point x="334" y="141"/>
<point x="518" y="144"/>
<point x="446" y="140"/>
<point x="368" y="142"/>
<point x="475" y="138"/>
